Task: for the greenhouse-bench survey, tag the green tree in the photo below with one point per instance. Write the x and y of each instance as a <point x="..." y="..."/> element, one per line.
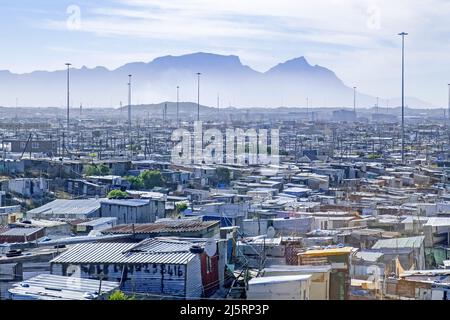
<point x="91" y="170"/>
<point x="97" y="170"/>
<point x="117" y="194"/>
<point x="152" y="179"/>
<point x="136" y="182"/>
<point x="104" y="170"/>
<point x="181" y="207"/>
<point x="223" y="175"/>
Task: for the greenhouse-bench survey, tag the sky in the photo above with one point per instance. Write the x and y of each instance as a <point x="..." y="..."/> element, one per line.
<point x="357" y="39"/>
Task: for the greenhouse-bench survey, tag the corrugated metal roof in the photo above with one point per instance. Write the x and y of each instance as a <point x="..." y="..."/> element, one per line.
<point x="278" y="279"/>
<point x="154" y="251"/>
<point x="20" y="231"/>
<point x="98" y="221"/>
<point x="53" y="287"/>
<point x="438" y="222"/>
<point x="411" y="242"/>
<point x="175" y="226"/>
<point x="369" y="256"/>
<point x="68" y="207"/>
<point x="126" y="202"/>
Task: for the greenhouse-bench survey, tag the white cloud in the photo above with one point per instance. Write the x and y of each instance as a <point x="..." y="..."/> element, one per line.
<point x="356" y="38"/>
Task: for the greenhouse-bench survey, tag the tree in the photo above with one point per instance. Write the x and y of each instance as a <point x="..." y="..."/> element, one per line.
<point x="91" y="170"/>
<point x="146" y="180"/>
<point x="136" y="182"/>
<point x="223" y="175"/>
<point x="152" y="179"/>
<point x="94" y="170"/>
<point x="181" y="207"/>
<point x="117" y="194"/>
<point x="104" y="170"/>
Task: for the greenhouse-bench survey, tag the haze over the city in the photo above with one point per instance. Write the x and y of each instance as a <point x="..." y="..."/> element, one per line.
<point x="362" y="50"/>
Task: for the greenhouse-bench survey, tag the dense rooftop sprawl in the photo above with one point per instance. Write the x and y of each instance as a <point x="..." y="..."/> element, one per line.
<point x="340" y="217"/>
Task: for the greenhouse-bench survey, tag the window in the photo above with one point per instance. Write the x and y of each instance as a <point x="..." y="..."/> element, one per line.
<point x="35" y="145"/>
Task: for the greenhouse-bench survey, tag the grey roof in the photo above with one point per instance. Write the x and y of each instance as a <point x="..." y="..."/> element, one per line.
<point x="68" y="207"/>
<point x="98" y="221"/>
<point x="300" y="269"/>
<point x="438" y="222"/>
<point x="369" y="256"/>
<point x="20" y="231"/>
<point x="148" y="251"/>
<point x="411" y="242"/>
<point x="53" y="287"/>
<point x="127" y="202"/>
<point x="278" y="279"/>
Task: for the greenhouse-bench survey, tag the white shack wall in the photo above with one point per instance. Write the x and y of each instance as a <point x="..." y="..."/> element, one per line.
<point x="194" y="285"/>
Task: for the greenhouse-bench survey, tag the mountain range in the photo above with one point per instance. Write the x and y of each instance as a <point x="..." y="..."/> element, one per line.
<point x="224" y="80"/>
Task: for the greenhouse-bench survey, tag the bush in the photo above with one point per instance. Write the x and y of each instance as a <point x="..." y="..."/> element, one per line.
<point x="224" y="175"/>
<point x="94" y="170"/>
<point x="181" y="207"/>
<point x="117" y="194"/>
<point x="119" y="295"/>
<point x="146" y="180"/>
<point x="152" y="179"/>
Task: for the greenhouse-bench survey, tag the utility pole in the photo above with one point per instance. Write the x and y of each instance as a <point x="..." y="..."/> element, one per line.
<point x="403" y="34"/>
<point x="198" y="96"/>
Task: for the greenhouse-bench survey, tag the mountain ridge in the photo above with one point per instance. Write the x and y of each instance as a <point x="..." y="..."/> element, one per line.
<point x="287" y="83"/>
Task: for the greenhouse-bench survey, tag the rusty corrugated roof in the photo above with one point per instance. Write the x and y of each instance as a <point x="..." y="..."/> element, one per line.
<point x="164" y="227"/>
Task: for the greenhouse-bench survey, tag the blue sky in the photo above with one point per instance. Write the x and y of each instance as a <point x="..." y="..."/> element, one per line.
<point x="355" y="38"/>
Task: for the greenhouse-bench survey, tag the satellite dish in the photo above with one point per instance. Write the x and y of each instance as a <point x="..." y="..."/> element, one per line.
<point x="271" y="232"/>
<point x="211" y="248"/>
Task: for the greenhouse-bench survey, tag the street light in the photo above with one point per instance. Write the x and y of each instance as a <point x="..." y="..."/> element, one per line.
<point x="448" y="126"/>
<point x="129" y="115"/>
<point x="129" y="101"/>
<point x="68" y="94"/>
<point x="178" y="107"/>
<point x="403" y="34"/>
<point x="198" y="96"/>
<point x="449" y="103"/>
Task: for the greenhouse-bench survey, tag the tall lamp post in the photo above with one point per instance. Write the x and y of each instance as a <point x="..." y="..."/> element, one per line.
<point x="448" y="125"/>
<point x="178" y="106"/>
<point x="68" y="95"/>
<point x="403" y="34"/>
<point x="198" y="96"/>
<point x="129" y="114"/>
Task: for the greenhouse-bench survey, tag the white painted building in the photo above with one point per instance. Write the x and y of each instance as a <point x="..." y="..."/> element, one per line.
<point x="280" y="288"/>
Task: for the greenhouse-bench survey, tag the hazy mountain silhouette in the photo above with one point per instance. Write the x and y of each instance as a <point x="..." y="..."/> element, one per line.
<point x="287" y="84"/>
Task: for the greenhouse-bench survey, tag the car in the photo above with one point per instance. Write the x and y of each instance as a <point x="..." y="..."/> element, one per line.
<point x="13" y="253"/>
